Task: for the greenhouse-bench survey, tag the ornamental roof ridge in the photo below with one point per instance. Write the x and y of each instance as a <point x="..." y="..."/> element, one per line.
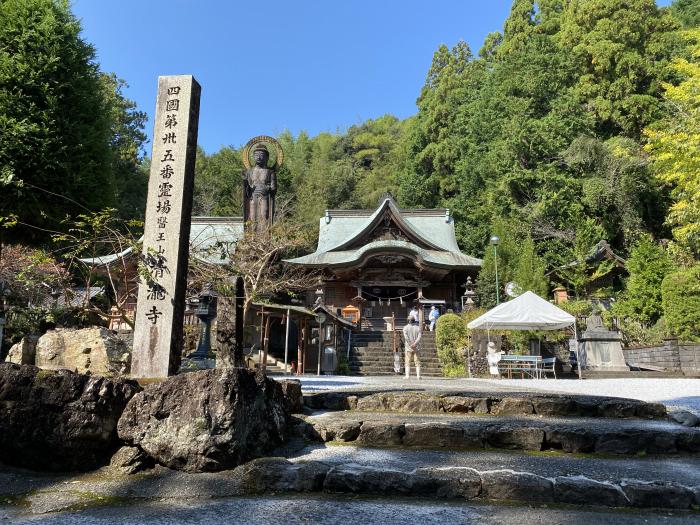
<point x="213" y="220"/>
<point x="430" y="212"/>
<point x="388" y="204"/>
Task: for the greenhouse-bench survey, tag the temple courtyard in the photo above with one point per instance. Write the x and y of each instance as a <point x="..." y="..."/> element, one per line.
<point x="675" y="393"/>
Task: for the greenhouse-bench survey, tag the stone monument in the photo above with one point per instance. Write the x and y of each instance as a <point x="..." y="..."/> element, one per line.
<point x="161" y="297"/>
<point x="600" y="348"/>
<point x="260" y="182"/>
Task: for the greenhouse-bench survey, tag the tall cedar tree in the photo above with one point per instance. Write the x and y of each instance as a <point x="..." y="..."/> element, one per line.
<point x="55" y="154"/>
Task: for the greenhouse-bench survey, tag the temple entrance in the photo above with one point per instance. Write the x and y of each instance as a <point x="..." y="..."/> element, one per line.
<point x="278" y="330"/>
<point x="381" y="302"/>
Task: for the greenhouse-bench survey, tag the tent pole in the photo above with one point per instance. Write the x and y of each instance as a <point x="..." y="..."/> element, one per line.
<point x="578" y="357"/>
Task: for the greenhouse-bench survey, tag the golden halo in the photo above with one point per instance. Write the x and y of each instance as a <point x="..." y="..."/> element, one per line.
<point x="279" y="153"/>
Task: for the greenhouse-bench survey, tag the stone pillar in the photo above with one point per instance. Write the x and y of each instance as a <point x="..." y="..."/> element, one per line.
<point x="161" y="301"/>
<point x="600" y="348"/>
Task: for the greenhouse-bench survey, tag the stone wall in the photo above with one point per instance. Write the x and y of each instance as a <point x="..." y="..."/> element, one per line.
<point x="671" y="356"/>
<point x="689" y="355"/>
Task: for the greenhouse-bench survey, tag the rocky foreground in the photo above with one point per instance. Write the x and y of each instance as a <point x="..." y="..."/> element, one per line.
<point x="201" y="421"/>
<point x="206" y="434"/>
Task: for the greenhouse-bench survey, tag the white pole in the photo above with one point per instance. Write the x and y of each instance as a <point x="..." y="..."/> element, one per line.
<point x="286" y="343"/>
<point x="578" y="357"/>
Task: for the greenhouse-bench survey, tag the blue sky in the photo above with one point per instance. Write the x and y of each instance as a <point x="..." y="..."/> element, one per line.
<point x="309" y="65"/>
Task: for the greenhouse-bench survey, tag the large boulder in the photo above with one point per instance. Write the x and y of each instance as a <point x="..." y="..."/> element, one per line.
<point x="59" y="420"/>
<point x="93" y="350"/>
<point x="24" y="352"/>
<point x="209" y="420"/>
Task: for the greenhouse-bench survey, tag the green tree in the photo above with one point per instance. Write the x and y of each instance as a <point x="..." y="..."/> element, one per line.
<point x="530" y="269"/>
<point x="576" y="267"/>
<point x="218" y="183"/>
<point x="622" y="48"/>
<point x="616" y="186"/>
<point x="680" y="293"/>
<point x="674" y="145"/>
<point x="687" y="12"/>
<point x="127" y="141"/>
<point x="507" y="253"/>
<point x="647" y="265"/>
<point x="55" y="124"/>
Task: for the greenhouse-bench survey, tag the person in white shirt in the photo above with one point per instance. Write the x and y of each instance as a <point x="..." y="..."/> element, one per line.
<point x="411" y="338"/>
<point x="414" y="315"/>
<point x="433" y="317"/>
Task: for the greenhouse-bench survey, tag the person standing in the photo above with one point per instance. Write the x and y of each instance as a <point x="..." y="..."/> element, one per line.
<point x="414" y="315"/>
<point x="411" y="338"/>
<point x="433" y="317"/>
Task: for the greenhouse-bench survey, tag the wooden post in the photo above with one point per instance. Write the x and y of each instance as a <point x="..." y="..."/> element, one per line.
<point x="262" y="335"/>
<point x="320" y="344"/>
<point x="238" y="326"/>
<point x="304" y="338"/>
<point x="300" y="345"/>
<point x="266" y="342"/>
<point x="286" y="342"/>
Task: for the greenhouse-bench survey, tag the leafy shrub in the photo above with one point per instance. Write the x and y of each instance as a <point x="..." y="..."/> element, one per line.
<point x="635" y="333"/>
<point x="648" y="264"/>
<point x="577" y="307"/>
<point x="454" y="371"/>
<point x="680" y="297"/>
<point x="451" y="335"/>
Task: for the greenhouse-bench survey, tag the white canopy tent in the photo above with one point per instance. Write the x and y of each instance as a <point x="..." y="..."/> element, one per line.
<point x="526" y="312"/>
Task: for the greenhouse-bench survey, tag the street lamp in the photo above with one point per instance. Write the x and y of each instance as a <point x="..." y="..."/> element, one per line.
<point x="495" y="239"/>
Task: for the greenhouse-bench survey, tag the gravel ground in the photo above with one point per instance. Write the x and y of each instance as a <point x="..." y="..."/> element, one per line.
<point x="673" y="392"/>
<point x="306" y="510"/>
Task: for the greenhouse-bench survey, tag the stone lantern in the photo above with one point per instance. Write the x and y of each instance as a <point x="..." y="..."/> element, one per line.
<point x="469" y="295"/>
<point x="205" y="312"/>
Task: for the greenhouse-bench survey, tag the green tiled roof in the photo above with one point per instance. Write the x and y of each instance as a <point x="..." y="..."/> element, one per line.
<point x="433" y="228"/>
<point x="212" y="239"/>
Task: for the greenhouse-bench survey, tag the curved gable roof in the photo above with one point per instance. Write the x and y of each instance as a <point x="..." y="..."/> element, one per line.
<point x="376" y="218"/>
<point x="431" y="237"/>
<point x="431" y="229"/>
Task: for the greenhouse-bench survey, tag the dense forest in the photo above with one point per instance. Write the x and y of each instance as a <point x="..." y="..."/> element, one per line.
<point x="578" y="122"/>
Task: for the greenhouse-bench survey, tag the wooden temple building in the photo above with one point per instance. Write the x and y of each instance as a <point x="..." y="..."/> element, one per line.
<point x="377" y="265"/>
<point x="380" y="263"/>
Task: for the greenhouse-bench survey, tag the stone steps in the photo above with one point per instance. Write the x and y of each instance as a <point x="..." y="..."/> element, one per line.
<point x="571" y="435"/>
<point x="381" y="360"/>
<point x="372" y="354"/>
<point x="530" y="447"/>
<point x="388" y="370"/>
<point x="387" y="350"/>
<point x="493" y="476"/>
<point x="479" y="403"/>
